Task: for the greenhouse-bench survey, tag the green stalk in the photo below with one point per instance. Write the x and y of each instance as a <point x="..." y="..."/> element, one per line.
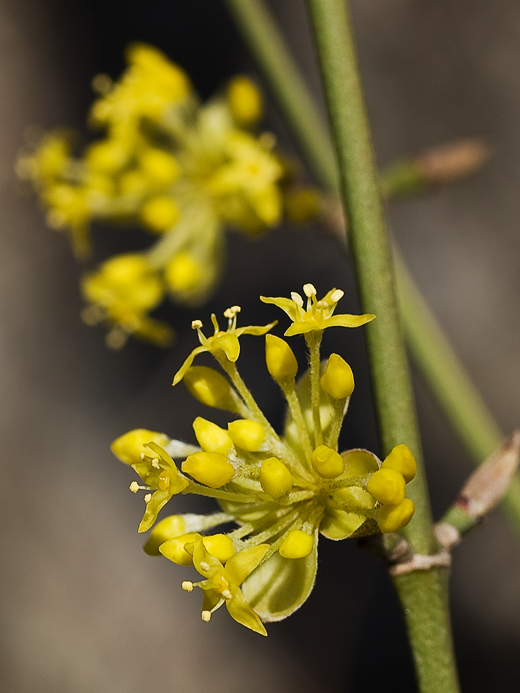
<point x="451" y="386"/>
<point x="423" y="594"/>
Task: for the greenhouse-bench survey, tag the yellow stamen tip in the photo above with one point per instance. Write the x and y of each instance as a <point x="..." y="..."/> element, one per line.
<point x="187" y="586"/>
<point x="206" y="616"/>
<point x="134" y="487"/>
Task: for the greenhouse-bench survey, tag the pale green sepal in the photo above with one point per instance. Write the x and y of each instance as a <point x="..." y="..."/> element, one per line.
<point x="241" y="611"/>
<point x="281" y="585"/>
<point x="339" y="524"/>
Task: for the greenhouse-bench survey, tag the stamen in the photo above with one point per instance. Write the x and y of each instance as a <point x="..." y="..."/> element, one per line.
<point x="134" y="487"/>
<point x="297" y="298"/>
<point x="196" y="324"/>
<point x="206" y="616"/>
<point x="337" y="295"/>
<point x="214" y="321"/>
<point x="187" y="586"/>
<point x="142" y="457"/>
<point x="204" y="565"/>
<point x="231" y="312"/>
<point x="148" y="498"/>
<point x="309" y="290"/>
<point x="226" y="594"/>
<point x="155" y="463"/>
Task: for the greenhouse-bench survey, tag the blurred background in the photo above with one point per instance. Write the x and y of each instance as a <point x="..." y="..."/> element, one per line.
<point x="83" y="608"/>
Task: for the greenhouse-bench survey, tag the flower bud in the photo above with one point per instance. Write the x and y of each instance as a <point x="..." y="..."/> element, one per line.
<point x="220" y="546"/>
<point x="168" y="528"/>
<point x="128" y="447"/>
<point x="246" y="434"/>
<point x="159" y="167"/>
<point x="338" y="379"/>
<point x="159" y="214"/>
<point x="245" y="101"/>
<point x="280" y="359"/>
<point x="390" y="518"/>
<point x="327" y="462"/>
<point x="402" y="460"/>
<point x="275" y="477"/>
<point x="183" y="273"/>
<point x="174" y="550"/>
<point x="210" y="468"/>
<point x="209" y="387"/>
<point x="387" y="486"/>
<point x="211" y="437"/>
<point x="297" y="544"/>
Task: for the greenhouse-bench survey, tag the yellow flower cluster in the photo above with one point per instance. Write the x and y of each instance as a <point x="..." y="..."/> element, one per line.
<point x="281" y="491"/>
<point x="181" y="169"/>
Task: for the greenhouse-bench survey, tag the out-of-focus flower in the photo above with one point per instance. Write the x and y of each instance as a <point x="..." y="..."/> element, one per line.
<point x="281" y="491"/>
<point x="183" y="170"/>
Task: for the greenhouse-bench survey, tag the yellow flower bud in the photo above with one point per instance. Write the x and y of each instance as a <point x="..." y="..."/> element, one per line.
<point x="280" y="359"/>
<point x="159" y="214"/>
<point x="159" y="167"/>
<point x="359" y="463"/>
<point x="390" y="518"/>
<point x="302" y="205"/>
<point x="169" y="528"/>
<point x="211" y="437"/>
<point x="128" y="447"/>
<point x="402" y="460"/>
<point x="183" y="273"/>
<point x="297" y="544"/>
<point x="107" y="156"/>
<point x="209" y="387"/>
<point x="220" y="546"/>
<point x="245" y="101"/>
<point x="275" y="477"/>
<point x="387" y="486"/>
<point x="210" y="468"/>
<point x="174" y="550"/>
<point x="354" y="496"/>
<point x="246" y="434"/>
<point x="338" y="379"/>
<point x="327" y="462"/>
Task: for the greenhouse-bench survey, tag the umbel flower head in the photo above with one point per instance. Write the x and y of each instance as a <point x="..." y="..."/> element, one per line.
<point x="280" y="491"/>
<point x="183" y="170"/>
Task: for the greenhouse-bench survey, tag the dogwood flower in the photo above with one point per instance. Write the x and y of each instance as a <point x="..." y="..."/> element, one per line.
<point x="281" y="491"/>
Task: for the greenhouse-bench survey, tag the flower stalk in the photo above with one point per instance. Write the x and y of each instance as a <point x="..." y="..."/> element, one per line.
<point x="423" y="594"/>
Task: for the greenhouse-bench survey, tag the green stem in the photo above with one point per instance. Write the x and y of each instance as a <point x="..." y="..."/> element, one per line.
<point x="423" y="593"/>
<point x="313" y="340"/>
<point x="429" y="347"/>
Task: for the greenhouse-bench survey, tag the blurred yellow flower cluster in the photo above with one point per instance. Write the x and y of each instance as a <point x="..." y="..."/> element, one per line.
<point x="182" y="169"/>
<point x="281" y="491"/>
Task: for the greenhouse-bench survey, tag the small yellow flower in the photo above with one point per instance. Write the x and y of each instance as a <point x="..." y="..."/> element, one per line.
<point x="221" y="341"/>
<point x="222" y="583"/>
<point x="317" y="315"/>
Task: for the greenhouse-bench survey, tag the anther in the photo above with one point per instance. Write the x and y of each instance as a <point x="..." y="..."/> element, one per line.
<point x="226" y="594"/>
<point x="297" y="298"/>
<point x="134" y="487"/>
<point x="187" y="586"/>
<point x="204" y="565"/>
<point x="309" y="290"/>
<point x="337" y="295"/>
<point x="142" y="457"/>
<point x="196" y="324"/>
<point x="155" y="463"/>
<point x="148" y="498"/>
<point x="206" y="616"/>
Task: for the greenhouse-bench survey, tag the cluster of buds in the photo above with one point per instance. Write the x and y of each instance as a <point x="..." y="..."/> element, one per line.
<point x="282" y="492"/>
<point x="183" y="170"/>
